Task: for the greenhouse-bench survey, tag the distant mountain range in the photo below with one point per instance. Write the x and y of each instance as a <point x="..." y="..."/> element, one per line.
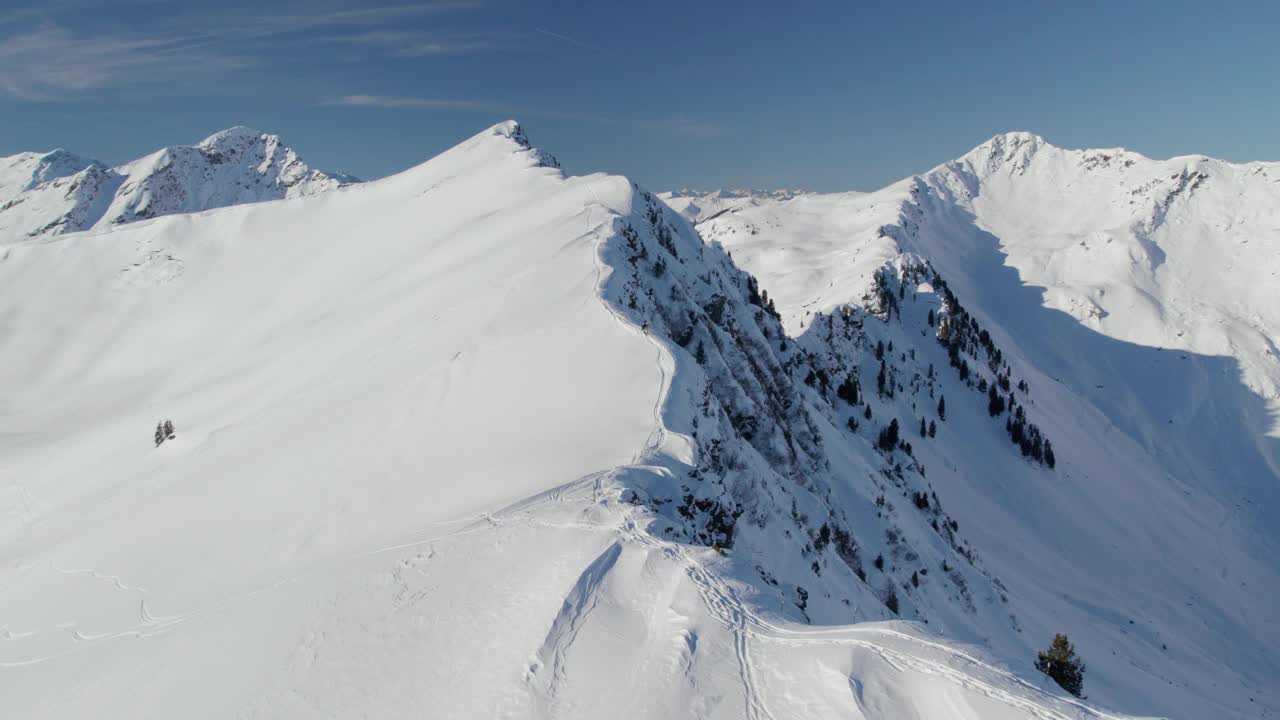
<point x="43" y="194"/>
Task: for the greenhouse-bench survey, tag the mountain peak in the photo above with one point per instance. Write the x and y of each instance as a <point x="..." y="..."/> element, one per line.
<point x="25" y="171"/>
<point x="1017" y="137"/>
<point x="509" y="129"/>
<point x="237" y="136"/>
<point x="230" y="167"/>
<point x="1017" y="146"/>
<point x="512" y="130"/>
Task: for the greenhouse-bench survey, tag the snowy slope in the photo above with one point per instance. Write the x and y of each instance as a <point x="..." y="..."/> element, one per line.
<point x="1135" y="297"/>
<point x="795" y="243"/>
<point x="529" y="448"/>
<point x="24" y="171"/>
<point x="56" y="192"/>
<point x="697" y="206"/>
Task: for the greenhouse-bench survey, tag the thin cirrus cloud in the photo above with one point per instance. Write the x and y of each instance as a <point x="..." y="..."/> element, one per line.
<point x="48" y="61"/>
<point x="419" y="103"/>
<point x="429" y="103"/>
<point x="410" y="44"/>
<point x="273" y="25"/>
<point x="674" y="125"/>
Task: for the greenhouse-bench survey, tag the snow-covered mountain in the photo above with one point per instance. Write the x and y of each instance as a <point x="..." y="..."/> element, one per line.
<point x="1137" y="299"/>
<point x="696" y="206"/>
<point x="532" y="448"/>
<point x="44" y="194"/>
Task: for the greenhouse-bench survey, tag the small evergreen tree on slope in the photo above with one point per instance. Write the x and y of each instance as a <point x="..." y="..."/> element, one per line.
<point x="1061" y="663"/>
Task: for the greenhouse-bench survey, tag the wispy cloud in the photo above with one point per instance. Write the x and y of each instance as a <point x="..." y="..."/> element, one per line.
<point x="50" y="61"/>
<point x="572" y="41"/>
<point x="264" y="25"/>
<point x="414" y="44"/>
<point x="418" y="103"/>
<point x="689" y="127"/>
<point x="677" y="125"/>
<point x="47" y="61"/>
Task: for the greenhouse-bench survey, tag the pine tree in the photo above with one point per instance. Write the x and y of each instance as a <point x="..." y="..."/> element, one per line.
<point x="889" y="436"/>
<point x="159" y="434"/>
<point x="168" y="429"/>
<point x="915" y="579"/>
<point x="867" y="413"/>
<point x="933" y="429"/>
<point x="848" y="390"/>
<point x="701" y="355"/>
<point x="1049" y="459"/>
<point x="891" y="601"/>
<point x="1061" y="664"/>
<point x="995" y="405"/>
<point x="942" y="408"/>
<point x="924" y="431"/>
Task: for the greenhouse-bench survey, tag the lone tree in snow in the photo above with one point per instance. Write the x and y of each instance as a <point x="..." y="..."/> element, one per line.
<point x="942" y="408"/>
<point x="168" y="430"/>
<point x="1061" y="664"/>
<point x="889" y="436"/>
<point x="160" y="434"/>
<point x="848" y="390"/>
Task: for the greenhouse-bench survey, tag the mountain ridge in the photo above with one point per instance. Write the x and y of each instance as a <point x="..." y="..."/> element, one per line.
<point x="1135" y="294"/>
<point x="536" y="447"/>
<point x="45" y="194"/>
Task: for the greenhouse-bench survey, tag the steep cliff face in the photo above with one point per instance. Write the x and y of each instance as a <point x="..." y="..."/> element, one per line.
<point x="835" y="524"/>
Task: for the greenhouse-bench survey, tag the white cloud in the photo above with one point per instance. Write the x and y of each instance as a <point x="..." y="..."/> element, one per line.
<point x="50" y="61"/>
<point x="415" y="44"/>
<point x="420" y="103"/>
<point x="690" y="127"/>
<point x="678" y="124"/>
<point x="294" y="23"/>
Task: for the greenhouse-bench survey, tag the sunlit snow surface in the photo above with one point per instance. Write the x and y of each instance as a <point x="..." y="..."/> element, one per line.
<point x="407" y="413"/>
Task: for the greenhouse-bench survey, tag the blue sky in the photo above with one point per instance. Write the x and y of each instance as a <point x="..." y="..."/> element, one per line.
<point x="820" y="95"/>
